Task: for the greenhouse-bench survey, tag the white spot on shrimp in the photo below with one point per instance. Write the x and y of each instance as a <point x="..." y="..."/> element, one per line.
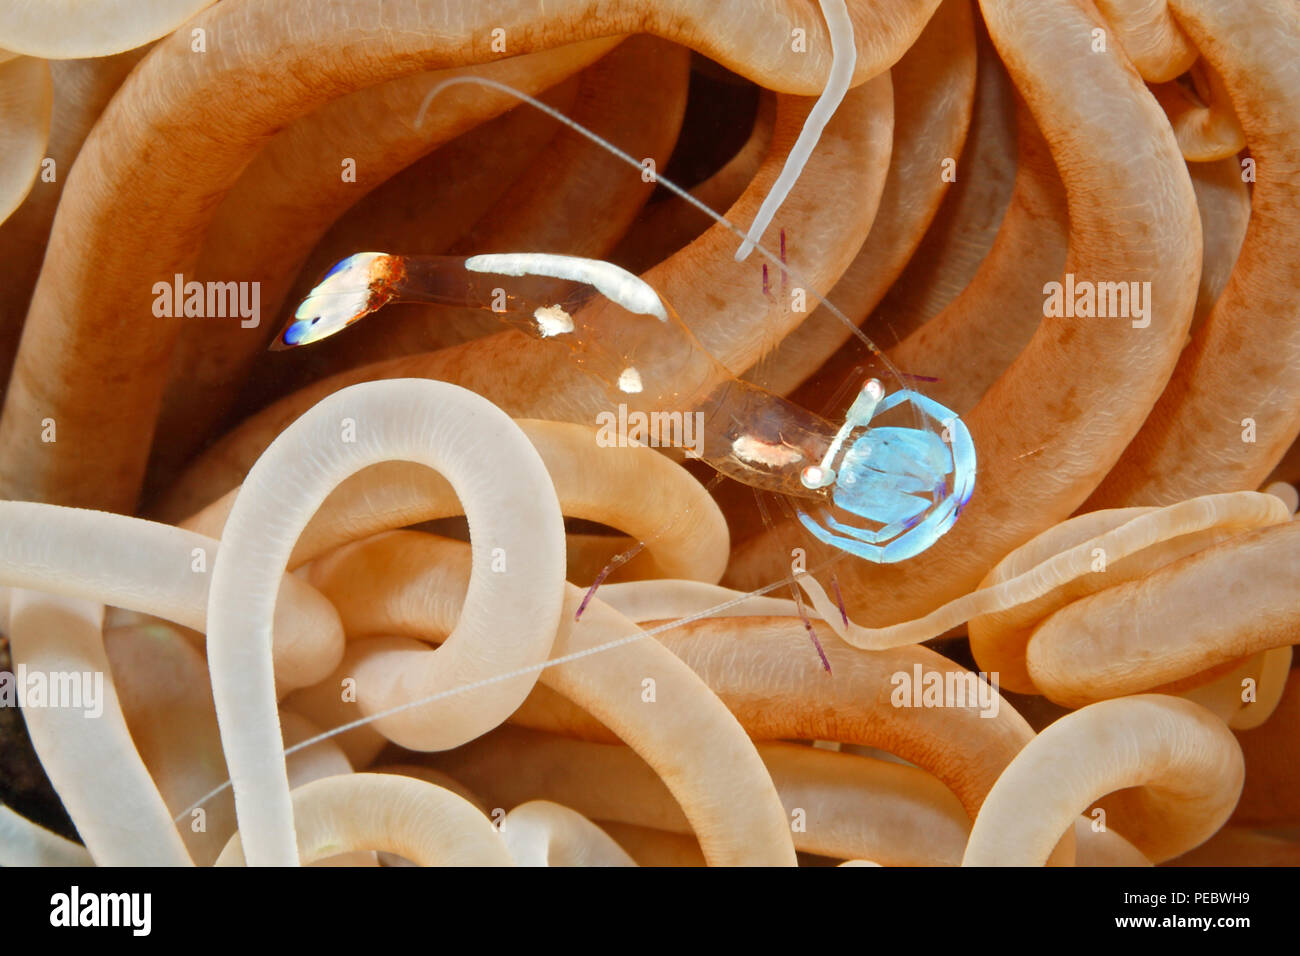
<point x="629" y="381"/>
<point x="552" y="320"/>
<point x="750" y="449"/>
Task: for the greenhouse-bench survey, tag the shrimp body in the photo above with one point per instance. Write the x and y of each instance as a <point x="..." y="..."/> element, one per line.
<point x="886" y="462"/>
<point x="909" y="483"/>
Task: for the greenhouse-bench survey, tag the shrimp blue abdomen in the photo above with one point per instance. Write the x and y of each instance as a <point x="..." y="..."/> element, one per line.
<point x="910" y="484"/>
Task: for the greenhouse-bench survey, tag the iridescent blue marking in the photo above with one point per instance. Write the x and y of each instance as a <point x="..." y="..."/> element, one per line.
<point x="909" y="482"/>
<point x="341" y="264"/>
<point x="342" y="297"/>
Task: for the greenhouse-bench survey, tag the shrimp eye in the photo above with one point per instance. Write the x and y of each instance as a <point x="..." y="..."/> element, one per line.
<point x="315" y="320"/>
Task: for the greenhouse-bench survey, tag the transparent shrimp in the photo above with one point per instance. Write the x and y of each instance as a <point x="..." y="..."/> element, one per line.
<point x="875" y="485"/>
<point x="882" y="483"/>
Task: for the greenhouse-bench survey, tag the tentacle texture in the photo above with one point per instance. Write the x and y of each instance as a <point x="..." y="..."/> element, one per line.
<point x="273" y="506"/>
<point x="1230" y="405"/>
